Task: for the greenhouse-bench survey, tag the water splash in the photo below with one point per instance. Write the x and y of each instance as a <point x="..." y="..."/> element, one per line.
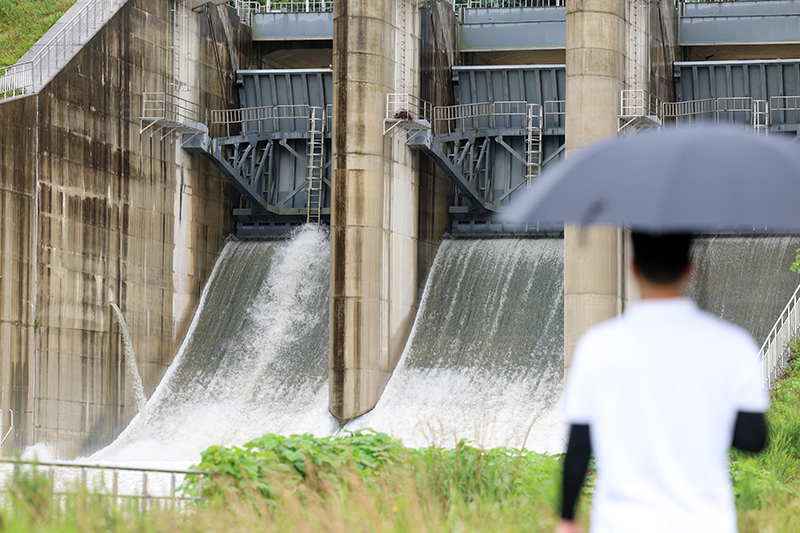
<point x="484" y="359"/>
<point x="746" y="280"/>
<point x="255" y="359"/>
<point x="131" y="368"/>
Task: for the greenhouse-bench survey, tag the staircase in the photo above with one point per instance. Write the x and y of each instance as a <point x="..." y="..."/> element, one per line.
<point x="66" y="38"/>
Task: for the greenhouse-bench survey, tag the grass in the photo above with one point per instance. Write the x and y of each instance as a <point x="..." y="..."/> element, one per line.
<point x="368" y="481"/>
<point x="23" y="22"/>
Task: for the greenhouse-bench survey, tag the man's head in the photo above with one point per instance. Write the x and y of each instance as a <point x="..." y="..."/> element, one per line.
<point x="662" y="259"/>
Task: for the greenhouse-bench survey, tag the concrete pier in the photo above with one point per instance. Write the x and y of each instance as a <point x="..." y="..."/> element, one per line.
<point x="597" y="40"/>
<point x="374" y="209"/>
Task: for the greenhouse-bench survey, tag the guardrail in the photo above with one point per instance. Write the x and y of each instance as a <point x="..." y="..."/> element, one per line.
<point x="162" y="105"/>
<point x="640" y="103"/>
<point x="266" y="119"/>
<point x="407" y="110"/>
<point x="118" y="483"/>
<point x="27" y="77"/>
<point x="247" y="8"/>
<point x="775" y="351"/>
<point x="737" y="109"/>
<point x="488" y="115"/>
<point x="555" y="112"/>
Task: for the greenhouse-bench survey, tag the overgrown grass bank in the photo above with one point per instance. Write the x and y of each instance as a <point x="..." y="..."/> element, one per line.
<point x="23" y="22"/>
<point x="368" y="481"/>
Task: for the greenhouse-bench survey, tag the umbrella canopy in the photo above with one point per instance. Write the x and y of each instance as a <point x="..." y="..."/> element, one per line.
<point x="696" y="179"/>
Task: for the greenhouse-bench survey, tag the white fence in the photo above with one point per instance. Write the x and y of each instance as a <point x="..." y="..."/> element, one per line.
<point x="30" y="76"/>
<point x="775" y="351"/>
<point x="146" y="486"/>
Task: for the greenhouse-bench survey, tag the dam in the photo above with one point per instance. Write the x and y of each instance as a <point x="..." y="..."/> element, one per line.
<point x="292" y="205"/>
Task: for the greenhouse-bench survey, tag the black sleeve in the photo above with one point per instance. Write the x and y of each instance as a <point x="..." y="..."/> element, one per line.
<point x="576" y="463"/>
<point x="750" y="432"/>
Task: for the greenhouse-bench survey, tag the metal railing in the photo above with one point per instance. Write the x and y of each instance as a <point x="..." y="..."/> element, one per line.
<point x="742" y="110"/>
<point x="690" y="110"/>
<point x="406" y="111"/>
<point x="267" y="119"/>
<point x="247" y="8"/>
<point x="775" y="351"/>
<point x="640" y="103"/>
<point x="555" y="112"/>
<point x="492" y="115"/>
<point x="117" y="483"/>
<point x="170" y="113"/>
<point x="27" y="77"/>
<point x="784" y="109"/>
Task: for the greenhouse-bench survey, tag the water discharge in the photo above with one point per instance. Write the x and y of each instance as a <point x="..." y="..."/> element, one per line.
<point x="131" y="367"/>
<point x="745" y="280"/>
<point x="255" y="359"/>
<point x="484" y="359"/>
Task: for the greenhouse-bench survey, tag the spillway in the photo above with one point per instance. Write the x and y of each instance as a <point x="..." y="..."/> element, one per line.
<point x="484" y="359"/>
<point x="255" y="359"/>
<point x="746" y="280"/>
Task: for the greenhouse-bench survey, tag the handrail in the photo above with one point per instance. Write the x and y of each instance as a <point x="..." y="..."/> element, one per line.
<point x="458" y="5"/>
<point x="640" y="103"/>
<point x="115" y="470"/>
<point x="775" y="352"/>
<point x="247" y="8"/>
<point x="267" y="118"/>
<point x="24" y="77"/>
<point x="463" y="117"/>
<point x="11" y="411"/>
<point x="162" y="105"/>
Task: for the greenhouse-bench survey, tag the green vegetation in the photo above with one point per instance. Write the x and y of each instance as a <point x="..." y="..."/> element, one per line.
<point x="368" y="481"/>
<point x="796" y="265"/>
<point x="23" y="22"/>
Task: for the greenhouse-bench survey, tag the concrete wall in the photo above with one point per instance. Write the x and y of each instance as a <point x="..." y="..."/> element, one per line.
<point x="597" y="71"/>
<point x="93" y="211"/>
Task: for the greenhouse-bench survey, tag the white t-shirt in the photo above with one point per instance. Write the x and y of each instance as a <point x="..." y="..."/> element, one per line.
<point x="660" y="387"/>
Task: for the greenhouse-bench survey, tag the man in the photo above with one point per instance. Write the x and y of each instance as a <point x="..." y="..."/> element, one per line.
<point x="659" y="394"/>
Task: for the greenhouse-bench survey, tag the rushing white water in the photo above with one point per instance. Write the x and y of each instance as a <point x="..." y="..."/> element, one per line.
<point x="132" y="368"/>
<point x="255" y="359"/>
<point x="484" y="360"/>
<point x="746" y="280"/>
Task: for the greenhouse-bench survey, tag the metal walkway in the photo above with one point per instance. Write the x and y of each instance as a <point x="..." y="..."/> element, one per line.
<point x="275" y="149"/>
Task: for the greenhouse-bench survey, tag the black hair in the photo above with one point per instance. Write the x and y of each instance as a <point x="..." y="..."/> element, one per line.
<point x="662" y="258"/>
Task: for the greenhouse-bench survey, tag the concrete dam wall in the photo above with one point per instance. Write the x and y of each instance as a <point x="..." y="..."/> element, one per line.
<point x="91" y="211"/>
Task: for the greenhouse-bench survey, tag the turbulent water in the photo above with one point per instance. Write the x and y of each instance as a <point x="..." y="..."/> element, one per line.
<point x="484" y="359"/>
<point x="254" y="361"/>
<point x="745" y="280"/>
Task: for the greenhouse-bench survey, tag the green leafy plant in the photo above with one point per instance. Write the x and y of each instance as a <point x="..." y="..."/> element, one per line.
<point x="796" y="265"/>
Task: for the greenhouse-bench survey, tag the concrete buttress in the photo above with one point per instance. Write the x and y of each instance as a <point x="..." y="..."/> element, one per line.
<point x="374" y="212"/>
<point x="597" y="40"/>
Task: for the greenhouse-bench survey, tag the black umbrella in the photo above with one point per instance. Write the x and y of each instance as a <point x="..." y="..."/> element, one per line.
<point x="698" y="179"/>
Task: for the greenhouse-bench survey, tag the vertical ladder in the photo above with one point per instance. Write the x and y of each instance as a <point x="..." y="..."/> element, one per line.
<point x="181" y="14"/>
<point x="315" y="161"/>
<point x="760" y="117"/>
<point x="533" y="143"/>
<point x="402" y="29"/>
